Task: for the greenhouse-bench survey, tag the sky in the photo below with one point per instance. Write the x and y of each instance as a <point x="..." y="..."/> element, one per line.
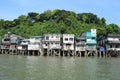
<point x="109" y="9"/>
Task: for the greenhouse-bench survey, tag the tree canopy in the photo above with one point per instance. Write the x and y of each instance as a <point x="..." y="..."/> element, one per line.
<point x="57" y="21"/>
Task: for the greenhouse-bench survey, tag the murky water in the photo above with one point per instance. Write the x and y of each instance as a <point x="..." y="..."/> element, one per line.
<point x="58" y="68"/>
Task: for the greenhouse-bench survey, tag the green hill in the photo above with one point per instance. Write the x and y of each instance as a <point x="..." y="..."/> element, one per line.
<point x="57" y="21"/>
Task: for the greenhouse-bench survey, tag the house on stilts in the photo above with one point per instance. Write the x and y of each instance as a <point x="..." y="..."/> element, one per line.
<point x="68" y="44"/>
<point x="10" y="43"/>
<point x="91" y="42"/>
<point x="111" y="43"/>
<point x="80" y="44"/>
<point x="52" y="44"/>
<point x="35" y="46"/>
<point x="23" y="47"/>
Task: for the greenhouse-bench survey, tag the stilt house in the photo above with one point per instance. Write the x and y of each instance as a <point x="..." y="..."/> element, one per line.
<point x="91" y="40"/>
<point x="110" y="42"/>
<point x="68" y="44"/>
<point x="80" y="43"/>
<point x="35" y="43"/>
<point x="52" y="44"/>
<point x="24" y="44"/>
<point x="10" y="41"/>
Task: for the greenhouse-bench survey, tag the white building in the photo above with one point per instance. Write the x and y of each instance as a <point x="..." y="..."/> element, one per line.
<point x="24" y="44"/>
<point x="52" y="43"/>
<point x="35" y="43"/>
<point x="68" y="44"/>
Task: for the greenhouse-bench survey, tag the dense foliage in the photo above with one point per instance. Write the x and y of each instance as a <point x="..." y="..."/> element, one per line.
<point x="57" y="21"/>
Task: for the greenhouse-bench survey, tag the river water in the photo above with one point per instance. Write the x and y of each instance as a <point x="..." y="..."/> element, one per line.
<point x="58" y="68"/>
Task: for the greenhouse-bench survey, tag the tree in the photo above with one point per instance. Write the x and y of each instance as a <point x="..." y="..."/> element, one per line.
<point x="103" y="21"/>
<point x="57" y="21"/>
<point x="32" y="16"/>
<point x="88" y="18"/>
<point x="84" y="18"/>
<point x="113" y="28"/>
<point x="1" y="23"/>
<point x="46" y="16"/>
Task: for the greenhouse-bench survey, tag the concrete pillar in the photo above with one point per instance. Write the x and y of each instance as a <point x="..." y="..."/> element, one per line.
<point x="100" y="55"/>
<point x="85" y="54"/>
<point x="80" y="53"/>
<point x="73" y="54"/>
<point x="22" y="52"/>
<point x="28" y="53"/>
<point x="38" y="53"/>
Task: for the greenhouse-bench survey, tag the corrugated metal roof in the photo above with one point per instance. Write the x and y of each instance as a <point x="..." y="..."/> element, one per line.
<point x="37" y="37"/>
<point x="113" y="35"/>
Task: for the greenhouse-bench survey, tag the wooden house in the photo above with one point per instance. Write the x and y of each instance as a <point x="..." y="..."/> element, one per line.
<point x="10" y="42"/>
<point x="110" y="42"/>
<point x="52" y="44"/>
<point x="68" y="44"/>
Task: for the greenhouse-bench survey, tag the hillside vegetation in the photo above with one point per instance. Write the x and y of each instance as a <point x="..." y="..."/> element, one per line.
<point x="57" y="21"/>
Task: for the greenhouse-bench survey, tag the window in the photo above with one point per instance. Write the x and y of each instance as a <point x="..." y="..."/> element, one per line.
<point x="51" y="43"/>
<point x="110" y="46"/>
<point x="56" y="43"/>
<point x="93" y="37"/>
<point x="77" y="40"/>
<point x="57" y="36"/>
<point x="6" y="39"/>
<point x="66" y="39"/>
<point x="82" y="40"/>
<point x="71" y="39"/>
<point x="51" y="36"/>
<point x="116" y="46"/>
<point x="47" y="38"/>
<point x="68" y="44"/>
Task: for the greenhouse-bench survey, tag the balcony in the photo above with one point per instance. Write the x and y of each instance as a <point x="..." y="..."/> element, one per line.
<point x="91" y="42"/>
<point x="6" y="42"/>
<point x="113" y="40"/>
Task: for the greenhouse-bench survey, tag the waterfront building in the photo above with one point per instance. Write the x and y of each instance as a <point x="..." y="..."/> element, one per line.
<point x="23" y="47"/>
<point x="111" y="43"/>
<point x="24" y="44"/>
<point x="90" y="42"/>
<point x="35" y="45"/>
<point x="68" y="44"/>
<point x="10" y="42"/>
<point x="52" y="44"/>
<point x="80" y="44"/>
